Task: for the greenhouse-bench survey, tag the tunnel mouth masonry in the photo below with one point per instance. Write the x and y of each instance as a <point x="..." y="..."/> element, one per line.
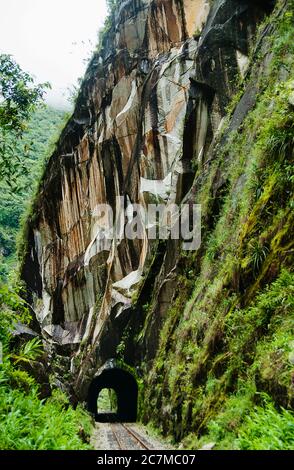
<point x="125" y="386"/>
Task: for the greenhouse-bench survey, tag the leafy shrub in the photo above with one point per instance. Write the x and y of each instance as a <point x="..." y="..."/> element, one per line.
<point x="267" y="429"/>
<point x="26" y="422"/>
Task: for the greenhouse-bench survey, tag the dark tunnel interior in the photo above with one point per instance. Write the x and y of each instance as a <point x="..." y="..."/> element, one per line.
<point x="126" y="389"/>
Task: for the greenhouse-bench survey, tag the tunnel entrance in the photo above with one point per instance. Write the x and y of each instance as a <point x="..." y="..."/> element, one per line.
<point x="113" y="396"/>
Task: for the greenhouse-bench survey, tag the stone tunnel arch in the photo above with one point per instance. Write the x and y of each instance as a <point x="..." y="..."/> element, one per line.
<point x="126" y="388"/>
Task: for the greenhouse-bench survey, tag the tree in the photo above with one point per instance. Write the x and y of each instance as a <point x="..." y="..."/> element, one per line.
<point x="19" y="97"/>
<point x="42" y="130"/>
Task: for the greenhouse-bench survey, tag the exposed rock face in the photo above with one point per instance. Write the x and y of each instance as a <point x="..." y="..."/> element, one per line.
<point x="152" y="103"/>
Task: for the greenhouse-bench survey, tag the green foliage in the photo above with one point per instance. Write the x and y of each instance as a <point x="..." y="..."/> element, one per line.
<point x="121" y="347"/>
<point x="267" y="429"/>
<point x="26" y="127"/>
<point x="26" y="422"/>
<point x="223" y="429"/>
<point x="107" y="401"/>
<point x="11" y="302"/>
<point x="30" y="351"/>
<point x="19" y="97"/>
<point x="257" y="253"/>
<point x="19" y="379"/>
<point x="33" y="150"/>
<point x="242" y="426"/>
<point x="111" y="6"/>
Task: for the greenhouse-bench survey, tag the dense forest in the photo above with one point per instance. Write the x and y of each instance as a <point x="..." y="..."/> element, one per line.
<point x="37" y="141"/>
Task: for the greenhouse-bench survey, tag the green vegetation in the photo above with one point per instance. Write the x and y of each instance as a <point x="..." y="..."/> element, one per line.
<point x="32" y="150"/>
<point x="265" y="428"/>
<point x="26" y="421"/>
<point x="224" y="370"/>
<point x="111" y="6"/>
<point x="107" y="401"/>
<point x="259" y="341"/>
<point x="19" y="98"/>
<point x="26" y="127"/>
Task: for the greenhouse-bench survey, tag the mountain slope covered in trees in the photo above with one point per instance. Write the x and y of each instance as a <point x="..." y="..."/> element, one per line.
<point x="42" y="128"/>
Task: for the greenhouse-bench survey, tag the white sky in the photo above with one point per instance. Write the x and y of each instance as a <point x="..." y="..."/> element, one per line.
<point x="51" y="39"/>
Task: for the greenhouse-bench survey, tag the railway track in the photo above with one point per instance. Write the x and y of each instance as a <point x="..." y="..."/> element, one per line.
<point x="126" y="438"/>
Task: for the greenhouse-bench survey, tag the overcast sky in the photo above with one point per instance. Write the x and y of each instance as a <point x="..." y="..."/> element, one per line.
<point x="51" y="39"/>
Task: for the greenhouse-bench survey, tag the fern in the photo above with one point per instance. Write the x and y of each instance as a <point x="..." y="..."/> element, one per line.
<point x="29" y="352"/>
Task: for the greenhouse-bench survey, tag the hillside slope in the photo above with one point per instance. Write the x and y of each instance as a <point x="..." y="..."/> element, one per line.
<point x="43" y="126"/>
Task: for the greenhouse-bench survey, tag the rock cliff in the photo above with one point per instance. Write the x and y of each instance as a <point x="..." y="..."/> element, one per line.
<point x="153" y="123"/>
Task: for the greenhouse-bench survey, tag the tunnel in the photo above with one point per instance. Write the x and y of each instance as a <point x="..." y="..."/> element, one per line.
<point x="124" y="385"/>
